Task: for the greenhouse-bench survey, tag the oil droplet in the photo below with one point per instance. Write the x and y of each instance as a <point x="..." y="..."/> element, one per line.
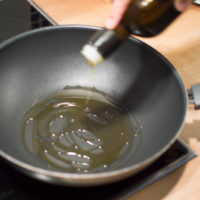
<point x="72" y="120"/>
<point x="87" y="157"/>
<point x="86" y="109"/>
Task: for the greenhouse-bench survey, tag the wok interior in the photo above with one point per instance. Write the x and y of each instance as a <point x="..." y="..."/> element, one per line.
<point x="36" y="65"/>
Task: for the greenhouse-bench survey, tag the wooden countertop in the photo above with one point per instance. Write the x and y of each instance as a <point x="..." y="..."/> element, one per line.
<point x="180" y="43"/>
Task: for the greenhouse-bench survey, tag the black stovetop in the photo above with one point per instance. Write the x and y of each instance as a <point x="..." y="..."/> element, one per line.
<point x="17" y="186"/>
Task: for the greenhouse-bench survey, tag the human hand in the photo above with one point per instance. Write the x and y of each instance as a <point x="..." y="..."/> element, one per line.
<point x="119" y="7"/>
<point x="182" y="5"/>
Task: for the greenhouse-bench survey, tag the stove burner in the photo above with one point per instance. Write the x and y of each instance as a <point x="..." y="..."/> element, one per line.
<point x="15" y="185"/>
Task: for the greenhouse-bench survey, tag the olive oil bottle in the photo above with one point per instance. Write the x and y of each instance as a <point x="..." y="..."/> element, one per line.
<point x="145" y="18"/>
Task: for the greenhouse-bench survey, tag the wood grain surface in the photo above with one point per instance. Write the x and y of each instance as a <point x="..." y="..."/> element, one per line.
<point x="180" y="43"/>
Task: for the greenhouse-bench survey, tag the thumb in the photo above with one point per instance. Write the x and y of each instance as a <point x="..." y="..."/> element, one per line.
<point x="116" y="13"/>
<point x="182" y="5"/>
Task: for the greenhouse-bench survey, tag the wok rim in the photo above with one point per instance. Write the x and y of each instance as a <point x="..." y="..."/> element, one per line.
<point x="78" y="179"/>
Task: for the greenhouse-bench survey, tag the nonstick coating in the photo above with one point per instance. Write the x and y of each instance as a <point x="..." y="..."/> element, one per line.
<point x="36" y="64"/>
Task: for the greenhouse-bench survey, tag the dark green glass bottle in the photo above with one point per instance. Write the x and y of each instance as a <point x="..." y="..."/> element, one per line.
<point x="145" y="18"/>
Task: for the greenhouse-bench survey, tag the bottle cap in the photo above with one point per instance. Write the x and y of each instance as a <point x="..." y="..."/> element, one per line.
<point x="91" y="54"/>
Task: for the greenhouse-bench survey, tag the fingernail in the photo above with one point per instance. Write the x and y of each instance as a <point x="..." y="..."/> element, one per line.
<point x="183" y="5"/>
<point x="109" y="24"/>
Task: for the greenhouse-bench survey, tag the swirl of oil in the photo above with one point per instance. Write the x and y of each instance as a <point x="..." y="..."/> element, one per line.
<point x="72" y="135"/>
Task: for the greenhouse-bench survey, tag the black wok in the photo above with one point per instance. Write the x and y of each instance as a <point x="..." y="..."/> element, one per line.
<point x="36" y="64"/>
